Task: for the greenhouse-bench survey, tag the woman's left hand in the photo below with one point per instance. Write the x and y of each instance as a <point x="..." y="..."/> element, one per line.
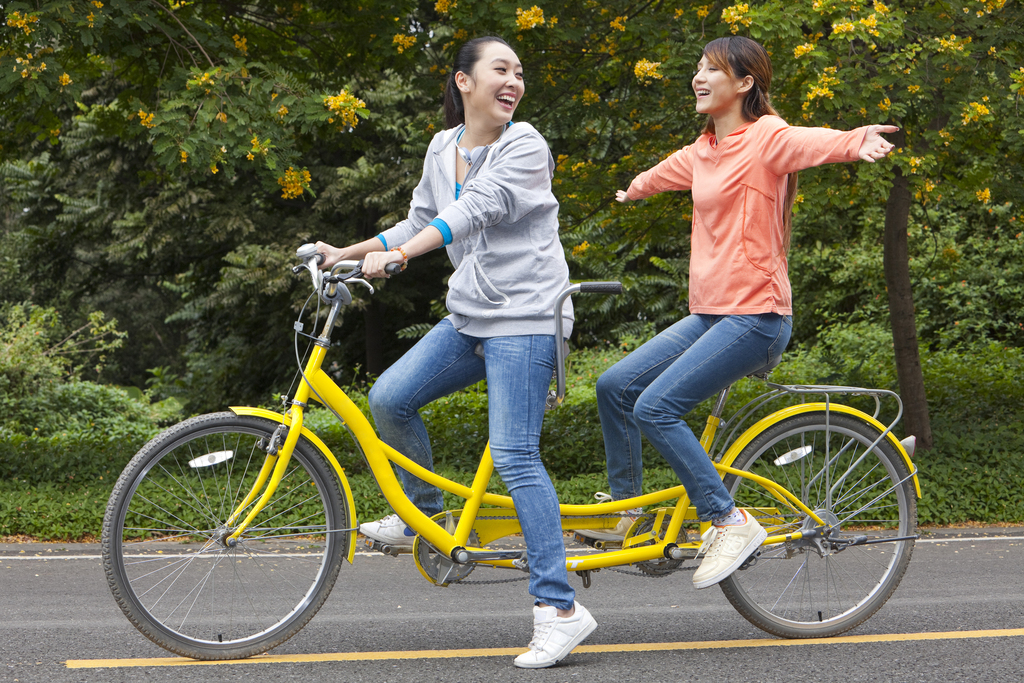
<point x="374" y="262"/>
<point x="875" y="146"/>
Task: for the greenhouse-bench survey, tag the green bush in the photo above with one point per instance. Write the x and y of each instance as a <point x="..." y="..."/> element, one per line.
<point x="54" y="482"/>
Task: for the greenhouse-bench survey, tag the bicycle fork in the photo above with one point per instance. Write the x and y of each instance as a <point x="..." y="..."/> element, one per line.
<point x="278" y="456"/>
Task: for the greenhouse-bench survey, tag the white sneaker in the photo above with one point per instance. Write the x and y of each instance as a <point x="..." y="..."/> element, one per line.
<point x="391" y="531"/>
<point x="554" y="637"/>
<point x="618" y="532"/>
<point x="725" y="548"/>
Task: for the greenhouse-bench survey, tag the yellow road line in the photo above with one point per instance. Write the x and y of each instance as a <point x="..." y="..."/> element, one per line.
<point x="509" y="651"/>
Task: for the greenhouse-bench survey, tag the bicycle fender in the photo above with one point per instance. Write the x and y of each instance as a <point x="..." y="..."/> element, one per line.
<point x="315" y="440"/>
<point x="779" y="415"/>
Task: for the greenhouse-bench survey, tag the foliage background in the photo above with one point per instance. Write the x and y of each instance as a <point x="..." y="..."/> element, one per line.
<point x="153" y="183"/>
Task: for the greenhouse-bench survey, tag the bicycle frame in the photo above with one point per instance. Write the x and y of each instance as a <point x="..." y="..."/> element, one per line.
<point x="495" y="522"/>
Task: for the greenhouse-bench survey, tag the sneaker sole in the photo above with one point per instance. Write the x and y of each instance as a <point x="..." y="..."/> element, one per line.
<point x="404" y="541"/>
<point x="754" y="544"/>
<point x="569" y="647"/>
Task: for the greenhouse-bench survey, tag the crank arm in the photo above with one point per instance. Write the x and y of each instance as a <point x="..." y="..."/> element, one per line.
<point x="842" y="544"/>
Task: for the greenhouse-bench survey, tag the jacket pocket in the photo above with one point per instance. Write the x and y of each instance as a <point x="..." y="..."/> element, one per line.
<point x="762" y="230"/>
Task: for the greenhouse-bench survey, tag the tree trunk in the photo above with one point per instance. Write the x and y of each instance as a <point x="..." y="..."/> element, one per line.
<point x="901" y="308"/>
<point x="373" y="322"/>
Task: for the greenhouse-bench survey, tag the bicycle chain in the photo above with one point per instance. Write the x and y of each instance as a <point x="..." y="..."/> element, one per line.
<point x="628" y="572"/>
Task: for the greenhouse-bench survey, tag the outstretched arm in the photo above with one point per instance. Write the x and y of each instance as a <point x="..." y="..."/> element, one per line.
<point x="874" y="146"/>
<point x="621" y="196"/>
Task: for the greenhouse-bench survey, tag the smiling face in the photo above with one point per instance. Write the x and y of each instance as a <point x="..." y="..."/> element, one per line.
<point x="491" y="93"/>
<point x="718" y="92"/>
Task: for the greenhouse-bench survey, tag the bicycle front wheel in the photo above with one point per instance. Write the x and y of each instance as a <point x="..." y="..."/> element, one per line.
<point x="164" y="549"/>
<point x="816" y="587"/>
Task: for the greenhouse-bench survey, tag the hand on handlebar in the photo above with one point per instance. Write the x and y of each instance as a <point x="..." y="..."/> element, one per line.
<point x="333" y="254"/>
<point x="375" y="262"/>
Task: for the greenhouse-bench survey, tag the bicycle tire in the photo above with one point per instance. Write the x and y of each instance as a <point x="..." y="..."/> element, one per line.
<point x="793" y="590"/>
<point x="186" y="590"/>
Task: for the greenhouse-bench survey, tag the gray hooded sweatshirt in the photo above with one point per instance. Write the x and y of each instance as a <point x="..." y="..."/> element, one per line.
<point x="501" y="233"/>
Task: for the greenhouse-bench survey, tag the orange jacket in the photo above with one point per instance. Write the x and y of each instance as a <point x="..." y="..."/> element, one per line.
<point x="737" y="254"/>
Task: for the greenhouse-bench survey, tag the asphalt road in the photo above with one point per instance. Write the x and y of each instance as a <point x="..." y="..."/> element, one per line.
<point x="58" y="613"/>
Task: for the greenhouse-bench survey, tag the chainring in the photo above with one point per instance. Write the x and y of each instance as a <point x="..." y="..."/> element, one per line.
<point x="662" y="566"/>
<point x="436" y="567"/>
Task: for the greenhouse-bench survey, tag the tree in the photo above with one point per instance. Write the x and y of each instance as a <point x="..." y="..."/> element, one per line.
<point x="178" y="152"/>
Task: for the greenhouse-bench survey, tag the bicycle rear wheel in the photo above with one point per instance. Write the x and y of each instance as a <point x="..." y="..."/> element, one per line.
<point x="808" y="588"/>
<point x="166" y="562"/>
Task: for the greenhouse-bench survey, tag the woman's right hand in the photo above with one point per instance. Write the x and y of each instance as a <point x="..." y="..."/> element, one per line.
<point x="621" y="196"/>
<point x="374" y="262"/>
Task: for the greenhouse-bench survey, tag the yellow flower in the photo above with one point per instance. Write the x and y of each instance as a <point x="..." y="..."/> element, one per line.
<point x="913" y="88"/>
<point x="843" y="27"/>
<point x="580" y="248"/>
<point x="294" y="183"/>
<point x="528" y="18"/>
<point x="282" y="111"/>
<point x="403" y="42"/>
<point x="54" y="132"/>
<point x="213" y="169"/>
<point x="65" y="79"/>
<point x="240" y="44"/>
<point x="619" y="23"/>
<point x="973" y="112"/>
<point x="880" y="8"/>
<point x="222" y="117"/>
<point x="344" y="106"/>
<point x="22" y="21"/>
<point x="736" y="15"/>
<point x="984" y="196"/>
<point x="645" y="70"/>
<point x="590" y="97"/>
<point x="444" y="6"/>
<point x="801" y="50"/>
<point x="885" y="104"/>
<point x="953" y="44"/>
<point x="97" y="4"/>
<point x="703" y="11"/>
<point x="146" y="120"/>
<point x="184" y="156"/>
<point x="249" y="156"/>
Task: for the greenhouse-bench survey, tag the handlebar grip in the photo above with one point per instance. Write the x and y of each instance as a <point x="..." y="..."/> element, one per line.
<point x="601" y="287"/>
<point x="390" y="269"/>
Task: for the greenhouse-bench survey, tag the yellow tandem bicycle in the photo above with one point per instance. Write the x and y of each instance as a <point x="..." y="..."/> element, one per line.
<point x="225" y="534"/>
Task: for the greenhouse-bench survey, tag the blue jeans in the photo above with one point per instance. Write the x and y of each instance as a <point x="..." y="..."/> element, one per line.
<point x="518" y="372"/>
<point x="650" y="389"/>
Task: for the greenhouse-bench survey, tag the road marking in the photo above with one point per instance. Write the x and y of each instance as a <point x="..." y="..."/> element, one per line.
<point x="509" y="651"/>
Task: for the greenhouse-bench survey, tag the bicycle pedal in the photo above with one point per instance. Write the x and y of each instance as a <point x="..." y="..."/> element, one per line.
<point x="596" y="543"/>
<point x="750" y="561"/>
<point x="387" y="548"/>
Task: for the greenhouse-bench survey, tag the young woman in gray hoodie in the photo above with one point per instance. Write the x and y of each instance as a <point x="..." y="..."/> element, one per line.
<point x="485" y="195"/>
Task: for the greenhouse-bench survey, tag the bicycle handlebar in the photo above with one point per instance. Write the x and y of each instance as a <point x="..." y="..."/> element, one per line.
<point x="601" y="287"/>
<point x="555" y="398"/>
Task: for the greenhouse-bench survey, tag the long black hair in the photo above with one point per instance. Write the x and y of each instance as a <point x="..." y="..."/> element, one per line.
<point x="465" y="60"/>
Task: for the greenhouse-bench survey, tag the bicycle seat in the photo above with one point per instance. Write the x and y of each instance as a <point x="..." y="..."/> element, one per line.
<point x="766" y="370"/>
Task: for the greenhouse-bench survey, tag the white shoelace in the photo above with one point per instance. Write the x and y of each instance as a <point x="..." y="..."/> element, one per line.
<point x="540" y="634"/>
<point x="709" y="537"/>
